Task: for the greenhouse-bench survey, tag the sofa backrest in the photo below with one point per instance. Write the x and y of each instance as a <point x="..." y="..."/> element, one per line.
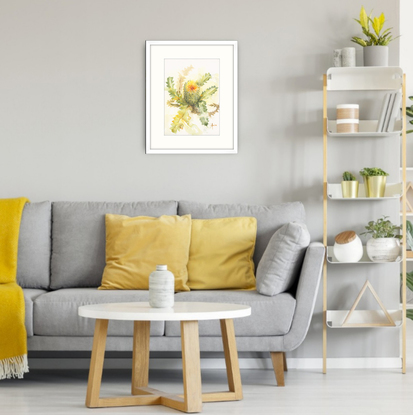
<point x="33" y="264"/>
<point x="269" y="218"/>
<point x="78" y="238"/>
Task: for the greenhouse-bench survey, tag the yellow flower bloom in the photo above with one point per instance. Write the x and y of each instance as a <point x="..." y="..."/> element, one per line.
<point x="191" y="86"/>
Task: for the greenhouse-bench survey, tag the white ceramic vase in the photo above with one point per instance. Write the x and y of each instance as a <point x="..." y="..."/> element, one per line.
<point x="161" y="288"/>
<point x="349" y="252"/>
<point x="383" y="249"/>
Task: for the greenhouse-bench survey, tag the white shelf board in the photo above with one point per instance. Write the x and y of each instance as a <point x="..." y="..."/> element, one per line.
<point x="372" y="78"/>
<point x="393" y="191"/>
<point x="367" y="128"/>
<point x="364" y="259"/>
<point x="407" y="168"/>
<point x="335" y="318"/>
<point x="407" y="213"/>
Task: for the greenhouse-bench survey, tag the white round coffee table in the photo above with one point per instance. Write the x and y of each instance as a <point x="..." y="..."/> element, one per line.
<point x="142" y="314"/>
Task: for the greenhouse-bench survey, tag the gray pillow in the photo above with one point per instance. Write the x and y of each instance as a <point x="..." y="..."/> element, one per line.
<point x="280" y="265"/>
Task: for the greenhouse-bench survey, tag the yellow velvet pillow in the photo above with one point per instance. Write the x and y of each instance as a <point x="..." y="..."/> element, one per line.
<point x="134" y="246"/>
<point x="220" y="256"/>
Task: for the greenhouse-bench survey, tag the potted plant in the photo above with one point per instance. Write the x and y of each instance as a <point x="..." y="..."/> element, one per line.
<point x="409" y="239"/>
<point x="384" y="245"/>
<point x="409" y="113"/>
<point x="409" y="285"/>
<point x="349" y="185"/>
<point x="375" y="49"/>
<point x="374" y="181"/>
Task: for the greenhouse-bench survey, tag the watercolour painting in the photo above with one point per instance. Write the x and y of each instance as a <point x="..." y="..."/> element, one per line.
<point x="191" y="97"/>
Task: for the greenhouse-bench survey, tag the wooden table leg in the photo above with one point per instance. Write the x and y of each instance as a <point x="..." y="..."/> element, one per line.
<point x="191" y="364"/>
<point x="231" y="357"/>
<point x="140" y="359"/>
<point x="96" y="363"/>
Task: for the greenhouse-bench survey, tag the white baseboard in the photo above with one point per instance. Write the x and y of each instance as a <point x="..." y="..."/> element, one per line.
<point x="212" y="363"/>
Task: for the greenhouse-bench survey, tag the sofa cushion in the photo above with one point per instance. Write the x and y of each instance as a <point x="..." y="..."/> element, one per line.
<point x="33" y="264"/>
<point x="56" y="313"/>
<point x="78" y="234"/>
<point x="221" y="254"/>
<point x="30" y="294"/>
<point x="281" y="263"/>
<point x="135" y="246"/>
<point x="269" y="218"/>
<point x="270" y="316"/>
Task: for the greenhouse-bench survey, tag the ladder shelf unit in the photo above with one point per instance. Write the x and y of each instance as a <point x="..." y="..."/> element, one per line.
<point x="364" y="79"/>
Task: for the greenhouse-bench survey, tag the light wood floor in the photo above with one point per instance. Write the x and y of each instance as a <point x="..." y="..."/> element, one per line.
<point x="307" y="392"/>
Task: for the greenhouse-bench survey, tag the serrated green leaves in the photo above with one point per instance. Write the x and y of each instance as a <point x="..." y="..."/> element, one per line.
<point x="170" y="87"/>
<point x="204" y="121"/>
<point x="203" y="79"/>
<point x="180" y="119"/>
<point x="208" y="93"/>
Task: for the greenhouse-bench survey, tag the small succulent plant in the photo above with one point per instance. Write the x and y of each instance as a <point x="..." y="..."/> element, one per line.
<point x="372" y="171"/>
<point x="374" y="37"/>
<point x="348" y="177"/>
<point x="382" y="228"/>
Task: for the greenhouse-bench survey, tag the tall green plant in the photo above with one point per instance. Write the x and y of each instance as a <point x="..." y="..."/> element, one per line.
<point x="409" y="113"/>
<point x="409" y="285"/>
<point x="374" y="37"/>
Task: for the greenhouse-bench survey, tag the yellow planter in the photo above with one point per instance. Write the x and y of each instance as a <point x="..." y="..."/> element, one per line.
<point x="350" y="188"/>
<point x="375" y="186"/>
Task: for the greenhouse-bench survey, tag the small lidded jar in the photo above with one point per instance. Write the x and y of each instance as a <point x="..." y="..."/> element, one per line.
<point x="348" y="118"/>
<point x="348" y="247"/>
<point x="161" y="288"/>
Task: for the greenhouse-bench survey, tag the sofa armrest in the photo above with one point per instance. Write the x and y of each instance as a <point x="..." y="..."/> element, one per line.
<point x="306" y="296"/>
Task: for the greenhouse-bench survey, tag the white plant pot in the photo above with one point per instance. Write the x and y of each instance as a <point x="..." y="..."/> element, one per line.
<point x="349" y="252"/>
<point x="383" y="249"/>
<point x="376" y="55"/>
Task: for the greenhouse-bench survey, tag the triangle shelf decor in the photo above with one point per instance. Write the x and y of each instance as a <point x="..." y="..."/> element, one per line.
<point x="387" y="322"/>
<point x="409" y="203"/>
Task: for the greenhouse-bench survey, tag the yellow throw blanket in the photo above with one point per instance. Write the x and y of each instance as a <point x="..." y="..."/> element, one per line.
<point x="13" y="340"/>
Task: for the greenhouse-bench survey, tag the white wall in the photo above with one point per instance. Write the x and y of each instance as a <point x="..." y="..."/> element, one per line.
<point x="72" y="107"/>
<point x="406" y="39"/>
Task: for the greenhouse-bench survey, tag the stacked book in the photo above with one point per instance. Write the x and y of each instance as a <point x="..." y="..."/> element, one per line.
<point x="389" y="112"/>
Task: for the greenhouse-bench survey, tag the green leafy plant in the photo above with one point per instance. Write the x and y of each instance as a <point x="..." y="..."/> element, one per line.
<point x="372" y="171"/>
<point x="191" y="98"/>
<point x="409" y="113"/>
<point x="374" y="37"/>
<point x="409" y="284"/>
<point x="382" y="228"/>
<point x="348" y="177"/>
<point x="409" y="234"/>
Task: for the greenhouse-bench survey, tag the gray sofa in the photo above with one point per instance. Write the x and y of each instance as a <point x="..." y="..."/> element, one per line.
<point x="62" y="257"/>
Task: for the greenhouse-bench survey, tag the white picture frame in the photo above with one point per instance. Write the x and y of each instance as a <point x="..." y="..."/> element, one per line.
<point x="182" y="117"/>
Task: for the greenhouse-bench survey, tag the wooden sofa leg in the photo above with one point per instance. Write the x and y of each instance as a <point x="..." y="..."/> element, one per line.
<point x="285" y="362"/>
<point x="278" y="364"/>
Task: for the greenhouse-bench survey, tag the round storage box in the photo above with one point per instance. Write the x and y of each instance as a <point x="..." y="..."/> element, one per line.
<point x="348" y="247"/>
<point x="348" y="118"/>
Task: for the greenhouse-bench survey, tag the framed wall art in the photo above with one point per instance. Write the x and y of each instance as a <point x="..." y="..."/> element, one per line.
<point x="191" y="97"/>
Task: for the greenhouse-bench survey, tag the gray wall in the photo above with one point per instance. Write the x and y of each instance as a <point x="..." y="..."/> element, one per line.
<point x="72" y="109"/>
